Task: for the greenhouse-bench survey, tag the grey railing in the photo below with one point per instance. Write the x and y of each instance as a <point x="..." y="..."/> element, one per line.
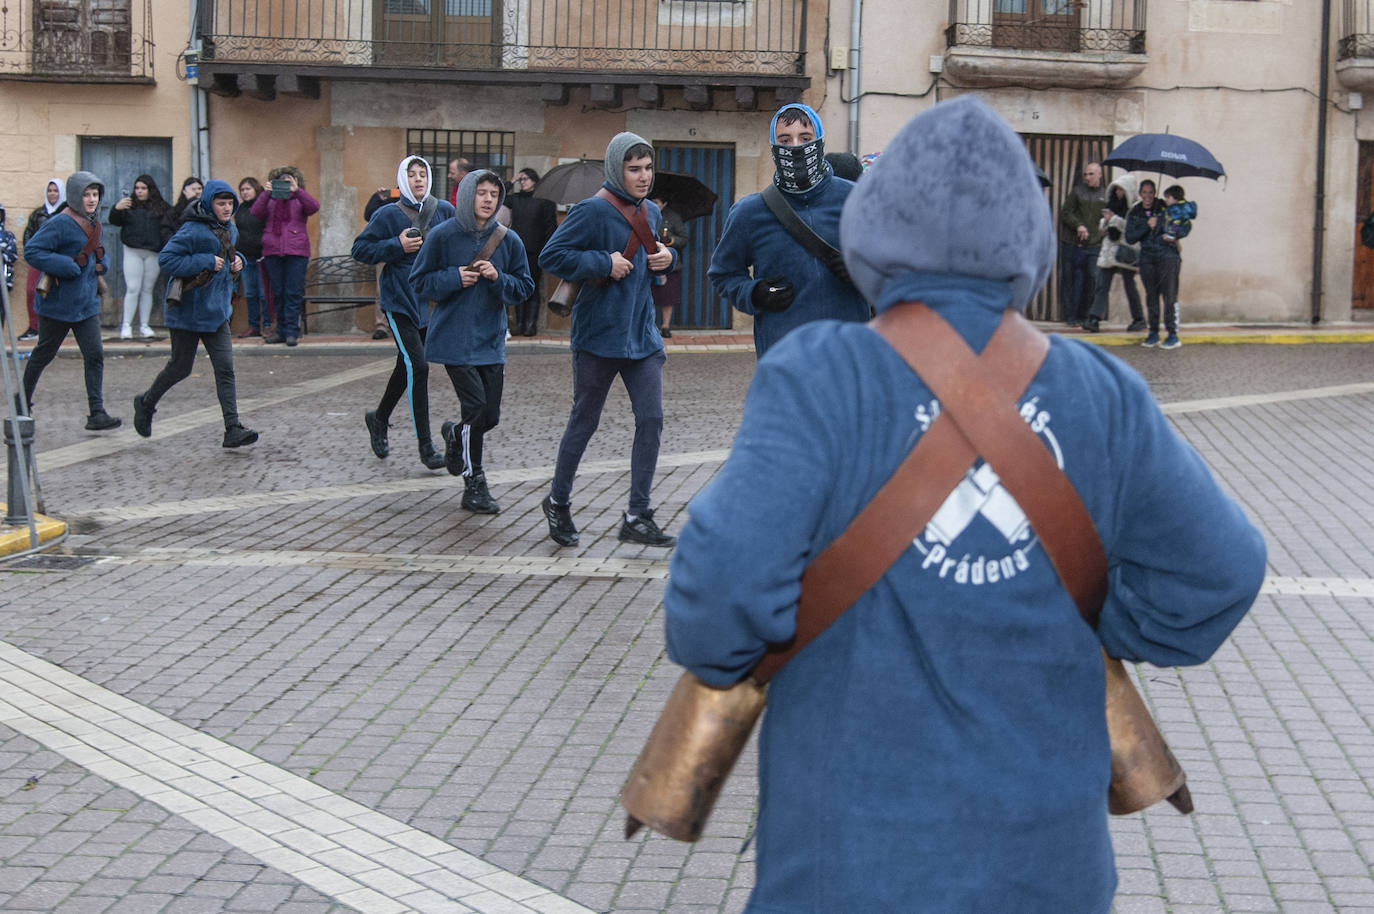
<point x="682" y="36"/>
<point x="77" y="40"/>
<point x="1048" y="25"/>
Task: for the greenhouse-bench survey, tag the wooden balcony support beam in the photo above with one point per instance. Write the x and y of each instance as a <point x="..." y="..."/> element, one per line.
<point x="698" y="96"/>
<point x="605" y="95"/>
<point x="746" y="98"/>
<point x="298" y="86"/>
<point x="553" y="93"/>
<point x="264" y="87"/>
<point x="651" y="94"/>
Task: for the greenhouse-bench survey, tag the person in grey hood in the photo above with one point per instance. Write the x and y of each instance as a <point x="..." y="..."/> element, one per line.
<point x="942" y="746"/>
<point x="67" y="251"/>
<point x="614" y="331"/>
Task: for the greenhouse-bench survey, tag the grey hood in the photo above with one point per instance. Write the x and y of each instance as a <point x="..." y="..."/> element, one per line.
<point x="467" y="197"/>
<point x="615" y="160"/>
<point x="76" y="186"/>
<point x="954" y="192"/>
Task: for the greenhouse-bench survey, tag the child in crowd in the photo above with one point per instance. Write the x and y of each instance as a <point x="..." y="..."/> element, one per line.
<point x="1179" y="213"/>
<point x="472" y="267"/>
<point x="203" y="264"/>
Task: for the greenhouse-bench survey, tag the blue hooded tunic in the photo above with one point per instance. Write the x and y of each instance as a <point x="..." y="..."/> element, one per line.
<point x="942" y="746"/>
<point x="380" y="242"/>
<point x="75" y="296"/>
<point x="617" y="319"/>
<point x="192" y="249"/>
<point x="468" y="326"/>
<point x="753" y="237"/>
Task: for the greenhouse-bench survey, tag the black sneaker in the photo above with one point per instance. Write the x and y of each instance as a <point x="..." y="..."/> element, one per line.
<point x="645" y="532"/>
<point x="275" y="339"/>
<point x="476" y="497"/>
<point x="1136" y="326"/>
<point x="238" y="436"/>
<point x="431" y="458"/>
<point x="29" y="334"/>
<point x="101" y="421"/>
<point x="291" y="341"/>
<point x="1092" y="324"/>
<point x="561" y="529"/>
<point x="376" y="432"/>
<point x="453" y="451"/>
<point x="143" y="417"/>
<point x="379" y="334"/>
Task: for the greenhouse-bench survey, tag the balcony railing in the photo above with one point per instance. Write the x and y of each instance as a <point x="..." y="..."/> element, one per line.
<point x="648" y="36"/>
<point x="1089" y="26"/>
<point x="77" y="40"/>
<point x="1356" y="30"/>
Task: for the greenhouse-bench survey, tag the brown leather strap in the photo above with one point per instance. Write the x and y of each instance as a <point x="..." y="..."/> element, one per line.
<point x="899" y="512"/>
<point x="640" y="233"/>
<point x="985" y="411"/>
<point x="493" y="241"/>
<point x="92" y="238"/>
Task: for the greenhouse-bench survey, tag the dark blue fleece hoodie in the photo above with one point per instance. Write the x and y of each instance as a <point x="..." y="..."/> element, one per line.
<point x="53" y="249"/>
<point x="942" y="747"/>
<point x="468" y="326"/>
<point x="380" y="242"/>
<point x="614" y="319"/>
<point x="194" y="248"/>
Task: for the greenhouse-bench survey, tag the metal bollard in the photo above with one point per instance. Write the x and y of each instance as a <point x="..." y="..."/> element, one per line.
<point x="19" y="509"/>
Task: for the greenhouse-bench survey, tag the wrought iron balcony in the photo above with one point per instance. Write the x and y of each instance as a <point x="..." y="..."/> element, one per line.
<point x="80" y="41"/>
<point x="1048" y="25"/>
<point x="1046" y="42"/>
<point x="1355" y="49"/>
<point x="757" y="37"/>
<point x="1356" y="30"/>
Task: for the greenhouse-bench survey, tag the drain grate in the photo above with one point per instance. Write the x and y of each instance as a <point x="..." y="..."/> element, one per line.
<point x="49" y="563"/>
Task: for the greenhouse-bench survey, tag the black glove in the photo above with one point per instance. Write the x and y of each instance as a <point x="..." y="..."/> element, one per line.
<point x="773" y="294"/>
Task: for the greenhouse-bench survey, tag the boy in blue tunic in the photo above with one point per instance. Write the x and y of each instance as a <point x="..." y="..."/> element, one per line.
<point x="67" y="251"/>
<point x="759" y="267"/>
<point x="394" y="233"/>
<point x="614" y="331"/>
<point x="942" y="746"/>
<point x="472" y="267"/>
<point x="201" y="256"/>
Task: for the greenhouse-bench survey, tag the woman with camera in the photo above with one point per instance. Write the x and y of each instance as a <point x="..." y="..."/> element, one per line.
<point x="285" y="246"/>
<point x="393" y="235"/>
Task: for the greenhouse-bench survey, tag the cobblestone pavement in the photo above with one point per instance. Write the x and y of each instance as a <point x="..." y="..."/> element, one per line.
<point x="295" y="678"/>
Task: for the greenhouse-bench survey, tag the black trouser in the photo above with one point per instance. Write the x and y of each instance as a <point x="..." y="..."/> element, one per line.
<point x="1160" y="278"/>
<point x="219" y="346"/>
<point x="409" y="377"/>
<point x="51" y="333"/>
<point x="527" y="312"/>
<point x="479" y="396"/>
<point x="592" y="377"/>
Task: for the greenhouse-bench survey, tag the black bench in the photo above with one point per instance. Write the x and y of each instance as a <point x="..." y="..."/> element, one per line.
<point x="337" y="283"/>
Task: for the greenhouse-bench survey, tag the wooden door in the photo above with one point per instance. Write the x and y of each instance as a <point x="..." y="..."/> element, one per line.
<point x="454" y="33"/>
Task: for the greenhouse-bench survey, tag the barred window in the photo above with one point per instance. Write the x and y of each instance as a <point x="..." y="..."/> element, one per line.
<point x="494" y="149"/>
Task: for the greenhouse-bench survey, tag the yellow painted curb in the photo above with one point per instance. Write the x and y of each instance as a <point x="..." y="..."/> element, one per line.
<point x="16" y="539"/>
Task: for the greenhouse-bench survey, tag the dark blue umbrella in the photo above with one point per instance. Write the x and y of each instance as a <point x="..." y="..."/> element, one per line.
<point x="1172" y="155"/>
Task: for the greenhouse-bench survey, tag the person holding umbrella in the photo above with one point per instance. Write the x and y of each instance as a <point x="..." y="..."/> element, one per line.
<point x="1160" y="263"/>
<point x="667" y="287"/>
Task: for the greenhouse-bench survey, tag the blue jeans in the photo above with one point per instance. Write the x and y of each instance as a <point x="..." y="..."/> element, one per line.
<point x="252" y="294"/>
<point x="592" y="377"/>
<point x="1077" y="267"/>
<point x="287" y="276"/>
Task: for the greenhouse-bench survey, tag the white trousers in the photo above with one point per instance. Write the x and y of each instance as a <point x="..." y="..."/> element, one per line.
<point x="140" y="273"/>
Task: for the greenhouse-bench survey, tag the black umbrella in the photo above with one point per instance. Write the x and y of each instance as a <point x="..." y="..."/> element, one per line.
<point x="1165" y="153"/>
<point x="686" y="195"/>
<point x="572" y="182"/>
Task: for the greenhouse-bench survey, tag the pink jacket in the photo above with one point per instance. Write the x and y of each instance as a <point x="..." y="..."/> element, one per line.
<point x="283" y="232"/>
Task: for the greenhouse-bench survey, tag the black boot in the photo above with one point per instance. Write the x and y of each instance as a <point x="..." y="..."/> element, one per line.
<point x="431" y="458"/>
<point x="476" y="498"/>
<point x="143" y="416"/>
<point x="376" y="432"/>
<point x="101" y="421"/>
